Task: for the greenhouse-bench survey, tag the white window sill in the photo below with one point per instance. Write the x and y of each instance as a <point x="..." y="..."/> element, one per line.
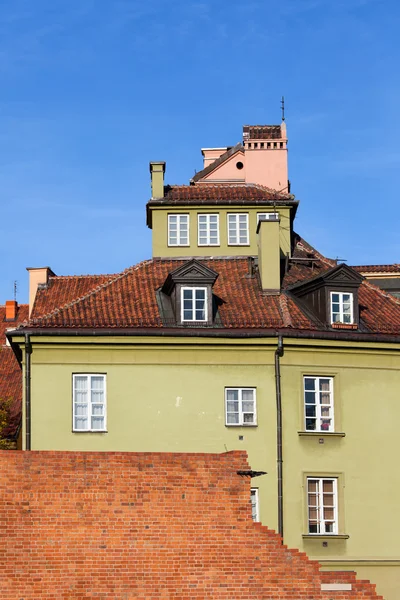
<point x="178" y="245"/>
<point x="89" y="431"/>
<point x="321" y="433"/>
<point x="240" y="424"/>
<point x="325" y="536"/>
<point x="208" y="245"/>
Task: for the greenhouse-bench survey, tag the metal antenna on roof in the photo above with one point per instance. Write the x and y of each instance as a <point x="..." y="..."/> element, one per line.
<point x="283" y="107"/>
<point x="337" y="259"/>
<point x="15" y="289"/>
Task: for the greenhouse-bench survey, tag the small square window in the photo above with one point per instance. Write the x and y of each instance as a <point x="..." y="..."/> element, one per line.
<point x="267" y="216"/>
<point x="240" y="406"/>
<point x="322" y="505"/>
<point x="342" y="307"/>
<point x="178" y="230"/>
<point x="89" y="402"/>
<point x="238" y="229"/>
<point x="208" y="230"/>
<point x="194" y="304"/>
<point x="318" y="403"/>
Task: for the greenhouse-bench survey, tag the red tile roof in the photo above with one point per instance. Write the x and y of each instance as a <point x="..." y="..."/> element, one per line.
<point x="216" y="193"/>
<point x="262" y="132"/>
<point x="10" y="371"/>
<point x="371" y="269"/>
<point x="129" y="300"/>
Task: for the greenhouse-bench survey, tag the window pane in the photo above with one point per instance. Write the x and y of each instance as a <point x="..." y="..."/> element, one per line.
<point x="187" y="294"/>
<point x="309" y="383"/>
<point x="200" y="294"/>
<point x="232" y="418"/>
<point x="97" y="423"/>
<point x="232" y="395"/>
<point x="310" y="410"/>
<point x="232" y="406"/>
<point x="310" y="397"/>
<point x="311" y="424"/>
<point x="247" y="394"/>
<point x="248" y="418"/>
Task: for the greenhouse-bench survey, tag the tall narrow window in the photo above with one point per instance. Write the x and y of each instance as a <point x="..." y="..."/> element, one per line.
<point x="194" y="304"/>
<point x="240" y="404"/>
<point x="322" y="505"/>
<point x="89" y="402"/>
<point x="208" y="229"/>
<point x="341" y="307"/>
<point x="318" y="403"/>
<point x="178" y="230"/>
<point x="255" y="513"/>
<point x="238" y="229"/>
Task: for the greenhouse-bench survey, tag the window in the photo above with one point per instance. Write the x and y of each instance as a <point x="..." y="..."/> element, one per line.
<point x="267" y="216"/>
<point x="254" y="504"/>
<point x="341" y="307"/>
<point x="318" y="403"/>
<point x="89" y="402"/>
<point x="322" y="505"/>
<point x="240" y="406"/>
<point x="178" y="230"/>
<point x="238" y="229"/>
<point x="194" y="303"/>
<point x="208" y="229"/>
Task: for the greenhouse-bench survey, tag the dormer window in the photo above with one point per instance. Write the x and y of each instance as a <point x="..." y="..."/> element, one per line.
<point x="332" y="297"/>
<point x="186" y="298"/>
<point x="341" y="307"/>
<point x="194" y="304"/>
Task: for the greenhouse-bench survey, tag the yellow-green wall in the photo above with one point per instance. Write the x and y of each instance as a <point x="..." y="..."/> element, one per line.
<point x="168" y="395"/>
<point x="160" y="231"/>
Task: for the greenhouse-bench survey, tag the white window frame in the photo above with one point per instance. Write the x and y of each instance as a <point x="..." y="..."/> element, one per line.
<point x="341" y="303"/>
<point x="89" y="402"/>
<point x="319" y="406"/>
<point x="237" y="229"/>
<point x="268" y="216"/>
<point x="321" y="522"/>
<point x="241" y="422"/>
<point x="255" y="504"/>
<point x="193" y="309"/>
<point x="208" y="229"/>
<point x="180" y="218"/>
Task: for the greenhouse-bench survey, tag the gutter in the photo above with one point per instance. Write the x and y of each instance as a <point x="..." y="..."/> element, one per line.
<point x="28" y="352"/>
<point x="228" y="332"/>
<point x="278" y="354"/>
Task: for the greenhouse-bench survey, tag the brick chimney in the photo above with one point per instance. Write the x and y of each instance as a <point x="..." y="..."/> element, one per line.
<point x="269" y="254"/>
<point x="11" y="310"/>
<point x="157" y="170"/>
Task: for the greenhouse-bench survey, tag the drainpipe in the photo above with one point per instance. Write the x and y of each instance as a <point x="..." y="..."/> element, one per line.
<point x="28" y="352"/>
<point x="278" y="354"/>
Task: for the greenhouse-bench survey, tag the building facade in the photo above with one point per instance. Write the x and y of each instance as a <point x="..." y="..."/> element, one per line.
<point x="236" y="335"/>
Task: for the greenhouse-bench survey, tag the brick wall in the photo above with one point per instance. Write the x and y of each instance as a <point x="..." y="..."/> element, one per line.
<point x="126" y="526"/>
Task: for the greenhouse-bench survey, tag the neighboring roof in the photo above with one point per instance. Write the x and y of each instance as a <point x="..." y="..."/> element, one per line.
<point x="262" y="132"/>
<point x="228" y="193"/>
<point x="129" y="299"/>
<point x="10" y="371"/>
<point x="209" y="194"/>
<point x="371" y="269"/>
<point x="207" y="170"/>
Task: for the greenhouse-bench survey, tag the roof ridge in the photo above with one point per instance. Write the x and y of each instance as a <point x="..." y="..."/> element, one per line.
<point x="83" y="276"/>
<point x="328" y="261"/>
<point x="284" y="310"/>
<point x="95" y="290"/>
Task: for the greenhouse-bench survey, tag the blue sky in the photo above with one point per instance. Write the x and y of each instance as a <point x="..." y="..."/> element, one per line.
<point x="92" y="90"/>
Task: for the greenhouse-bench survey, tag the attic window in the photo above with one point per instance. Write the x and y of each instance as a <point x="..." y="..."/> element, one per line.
<point x="194" y="304"/>
<point x="342" y="307"/>
<point x="239" y="165"/>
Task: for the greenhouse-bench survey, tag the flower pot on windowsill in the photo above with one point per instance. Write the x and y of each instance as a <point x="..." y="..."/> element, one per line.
<point x="338" y="325"/>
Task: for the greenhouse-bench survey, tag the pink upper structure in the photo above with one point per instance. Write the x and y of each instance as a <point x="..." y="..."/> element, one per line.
<point x="260" y="159"/>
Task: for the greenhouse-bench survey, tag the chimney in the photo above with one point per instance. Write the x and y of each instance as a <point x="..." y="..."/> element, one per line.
<point x="11" y="310"/>
<point x="269" y="254"/>
<point x="157" y="170"/>
<point x="37" y="276"/>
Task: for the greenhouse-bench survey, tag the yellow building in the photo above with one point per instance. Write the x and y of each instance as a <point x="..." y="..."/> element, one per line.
<point x="237" y="334"/>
